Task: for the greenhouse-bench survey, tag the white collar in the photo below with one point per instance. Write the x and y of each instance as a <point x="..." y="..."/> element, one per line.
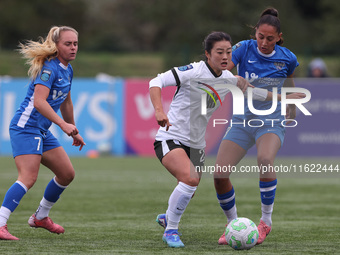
<point x="265" y="55"/>
<point x="63" y="66"/>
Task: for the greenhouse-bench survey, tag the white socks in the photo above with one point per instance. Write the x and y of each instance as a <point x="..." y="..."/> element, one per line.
<point x="4" y="215"/>
<point x="267" y="211"/>
<point x="178" y="202"/>
<point x="43" y="209"/>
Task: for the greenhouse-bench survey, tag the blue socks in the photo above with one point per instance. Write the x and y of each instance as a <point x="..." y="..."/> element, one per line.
<point x="11" y="201"/>
<point x="51" y="195"/>
<point x="267" y="190"/>
<point x="14" y="195"/>
<point x="16" y="192"/>
<point x="227" y="203"/>
<point x="53" y="191"/>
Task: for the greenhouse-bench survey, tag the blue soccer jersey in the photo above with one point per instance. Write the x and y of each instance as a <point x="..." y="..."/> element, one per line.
<point x="58" y="79"/>
<point x="263" y="71"/>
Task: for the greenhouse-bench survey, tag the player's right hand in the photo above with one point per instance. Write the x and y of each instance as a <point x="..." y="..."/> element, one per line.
<point x="162" y="120"/>
<point x="69" y="129"/>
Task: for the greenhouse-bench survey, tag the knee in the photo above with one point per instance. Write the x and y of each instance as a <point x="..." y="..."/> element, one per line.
<point x="70" y="176"/>
<point x="191" y="181"/>
<point x="66" y="178"/>
<point x="194" y="182"/>
<point x="220" y="182"/>
<point x="220" y="175"/>
<point x="28" y="181"/>
<point x="264" y="160"/>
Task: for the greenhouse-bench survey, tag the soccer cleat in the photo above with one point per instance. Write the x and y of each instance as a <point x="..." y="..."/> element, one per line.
<point x="5" y="235"/>
<point x="161" y="220"/>
<point x="264" y="230"/>
<point x="222" y="240"/>
<point x="171" y="237"/>
<point x="45" y="223"/>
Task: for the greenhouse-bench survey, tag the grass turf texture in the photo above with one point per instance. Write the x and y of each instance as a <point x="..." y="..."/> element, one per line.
<point x="111" y="206"/>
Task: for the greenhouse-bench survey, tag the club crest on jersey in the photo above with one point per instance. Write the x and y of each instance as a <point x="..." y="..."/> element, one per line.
<point x="45" y="75"/>
<point x="185" y="68"/>
<point x="279" y="65"/>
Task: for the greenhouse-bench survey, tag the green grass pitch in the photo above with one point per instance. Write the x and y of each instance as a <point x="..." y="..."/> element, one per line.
<point x="111" y="207"/>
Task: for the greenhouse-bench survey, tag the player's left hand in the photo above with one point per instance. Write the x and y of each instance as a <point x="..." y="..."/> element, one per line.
<point x="78" y="141"/>
<point x="296" y="95"/>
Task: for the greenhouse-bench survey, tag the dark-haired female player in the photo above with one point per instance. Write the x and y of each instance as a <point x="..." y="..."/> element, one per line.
<point x="265" y="64"/>
<point x="180" y="140"/>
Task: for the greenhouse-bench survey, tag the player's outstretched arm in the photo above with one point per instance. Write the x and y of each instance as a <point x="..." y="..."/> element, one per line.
<point x="259" y="94"/>
<point x="295" y="95"/>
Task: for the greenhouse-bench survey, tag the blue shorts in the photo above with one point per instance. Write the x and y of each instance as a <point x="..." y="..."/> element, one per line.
<point x="247" y="136"/>
<point x="31" y="141"/>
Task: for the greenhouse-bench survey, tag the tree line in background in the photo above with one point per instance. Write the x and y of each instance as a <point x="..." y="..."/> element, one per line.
<point x="174" y="26"/>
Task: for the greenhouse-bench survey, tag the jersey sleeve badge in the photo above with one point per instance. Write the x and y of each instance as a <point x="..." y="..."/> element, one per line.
<point x="45" y="75"/>
<point x="185" y="68"/>
<point x="236" y="46"/>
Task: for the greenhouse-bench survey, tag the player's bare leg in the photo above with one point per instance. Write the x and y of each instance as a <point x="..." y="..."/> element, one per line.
<point x="229" y="155"/>
<point x="28" y="169"/>
<point x="179" y="165"/>
<point x="59" y="163"/>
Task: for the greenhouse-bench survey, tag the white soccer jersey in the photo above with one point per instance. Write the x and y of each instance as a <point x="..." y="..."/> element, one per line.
<point x="185" y="113"/>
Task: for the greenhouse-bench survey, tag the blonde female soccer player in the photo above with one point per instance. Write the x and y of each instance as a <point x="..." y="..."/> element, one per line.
<point x="32" y="142"/>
